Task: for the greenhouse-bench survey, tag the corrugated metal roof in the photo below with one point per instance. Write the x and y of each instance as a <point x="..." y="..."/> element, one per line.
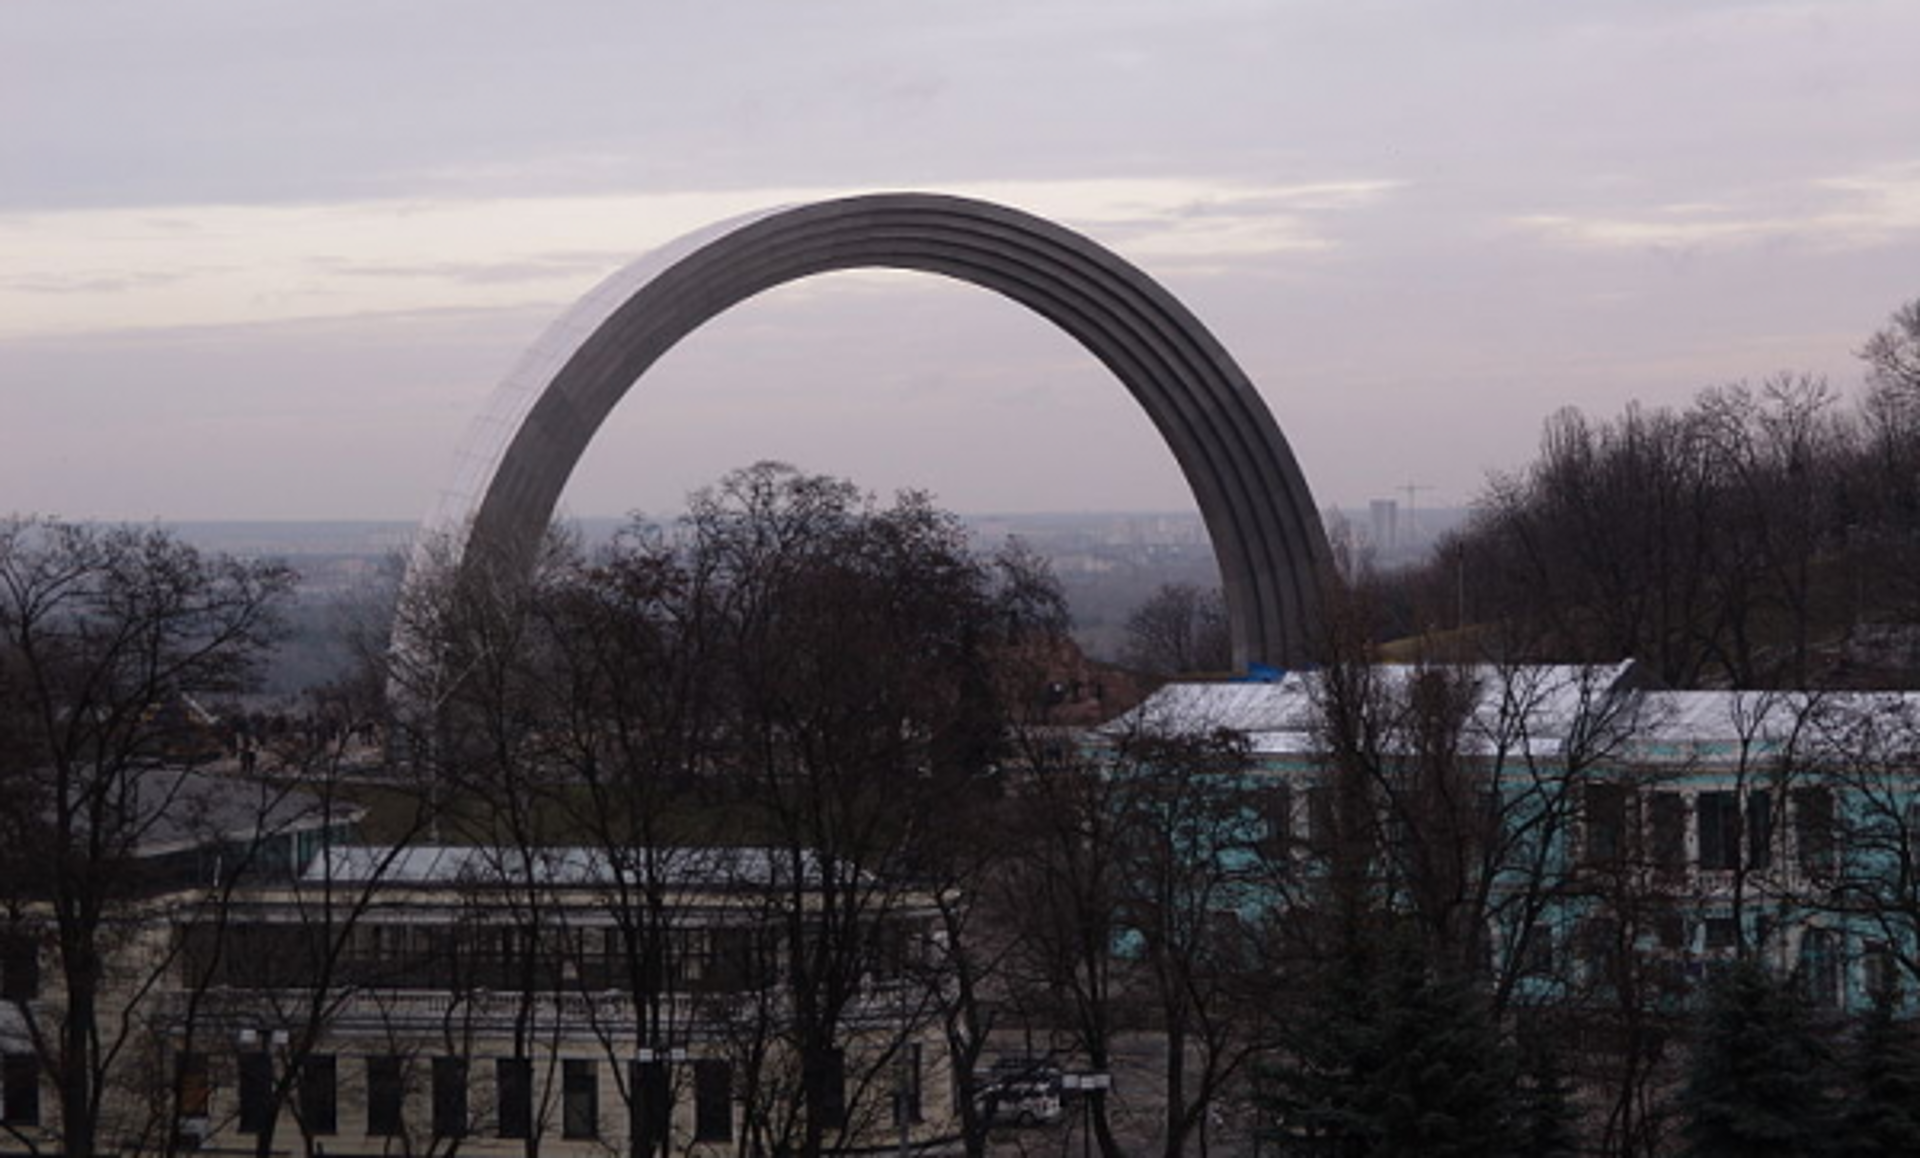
<point x="167" y="809"/>
<point x="558" y="867"/>
<point x="1535" y="709"/>
<point x="1536" y="701"/>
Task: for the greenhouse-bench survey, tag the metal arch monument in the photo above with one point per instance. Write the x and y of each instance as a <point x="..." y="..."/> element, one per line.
<point x="1265" y="528"/>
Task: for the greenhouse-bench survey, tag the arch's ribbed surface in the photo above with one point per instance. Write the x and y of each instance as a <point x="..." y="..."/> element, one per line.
<point x="1265" y="529"/>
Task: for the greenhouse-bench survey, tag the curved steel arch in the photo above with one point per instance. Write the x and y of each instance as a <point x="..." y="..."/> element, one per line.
<point x="1266" y="531"/>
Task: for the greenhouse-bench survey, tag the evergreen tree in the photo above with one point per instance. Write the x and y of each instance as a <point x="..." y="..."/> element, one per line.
<point x="1395" y="1060"/>
<point x="1882" y="1110"/>
<point x="1758" y="1083"/>
<point x="1548" y="1117"/>
<point x="1316" y="1101"/>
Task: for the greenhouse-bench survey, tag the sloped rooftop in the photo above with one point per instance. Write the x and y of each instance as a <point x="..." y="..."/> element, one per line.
<point x="555" y="867"/>
<point x="169" y="809"/>
<point x="1533" y="709"/>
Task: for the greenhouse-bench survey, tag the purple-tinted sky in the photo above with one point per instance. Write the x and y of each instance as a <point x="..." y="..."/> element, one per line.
<point x="266" y="259"/>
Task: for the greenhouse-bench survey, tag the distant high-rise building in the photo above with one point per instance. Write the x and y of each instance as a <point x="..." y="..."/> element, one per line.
<point x="1386" y="524"/>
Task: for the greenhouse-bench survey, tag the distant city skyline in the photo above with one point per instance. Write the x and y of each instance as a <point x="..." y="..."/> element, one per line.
<point x="267" y="261"/>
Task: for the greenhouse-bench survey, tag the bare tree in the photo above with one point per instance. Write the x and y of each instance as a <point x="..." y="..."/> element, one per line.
<point x="857" y="668"/>
<point x="1063" y="889"/>
<point x="793" y="667"/>
<point x="1187" y="899"/>
<point x="1865" y="750"/>
<point x="1893" y="354"/>
<point x="1181" y="628"/>
<point x="104" y="634"/>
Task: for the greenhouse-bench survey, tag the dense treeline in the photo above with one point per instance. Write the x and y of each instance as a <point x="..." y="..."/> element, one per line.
<point x="1482" y="943"/>
<point x="1758" y="537"/>
<point x="802" y="744"/>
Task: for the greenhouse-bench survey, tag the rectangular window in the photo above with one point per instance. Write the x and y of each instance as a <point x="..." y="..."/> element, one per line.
<point x="1599" y="945"/>
<point x="828" y="1098"/>
<point x="1669" y="821"/>
<point x="319" y="1107"/>
<point x="739" y="959"/>
<point x="256" y="1092"/>
<point x="1670" y="929"/>
<point x="1820" y="967"/>
<point x="1813" y="829"/>
<point x="1760" y="830"/>
<point x="908" y="1107"/>
<point x="888" y="950"/>
<point x="20" y="1089"/>
<point x="1606" y="823"/>
<point x="19" y="967"/>
<point x="1320" y="819"/>
<point x="694" y="956"/>
<point x="513" y="1089"/>
<point x="449" y="1097"/>
<point x="1536" y="952"/>
<point x="652" y="1107"/>
<point x="1719" y="831"/>
<point x="580" y="1099"/>
<point x="712" y="1101"/>
<point x="191" y="1084"/>
<point x="386" y="1096"/>
<point x="1878" y="976"/>
<point x="1276" y="842"/>
<point x="1723" y="934"/>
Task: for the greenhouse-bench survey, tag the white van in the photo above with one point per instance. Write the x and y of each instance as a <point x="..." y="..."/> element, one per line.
<point x="1019" y="1091"/>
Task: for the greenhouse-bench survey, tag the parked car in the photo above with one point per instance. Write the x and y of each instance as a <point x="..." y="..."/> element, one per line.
<point x="1019" y="1091"/>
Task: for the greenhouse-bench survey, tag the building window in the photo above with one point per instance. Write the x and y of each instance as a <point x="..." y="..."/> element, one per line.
<point x="449" y="1097"/>
<point x="1606" y="817"/>
<point x="1878" y="976"/>
<point x="889" y="950"/>
<point x="1669" y="820"/>
<point x="652" y="1106"/>
<point x="580" y="1099"/>
<point x="20" y="1089"/>
<point x="1723" y="934"/>
<point x="19" y="967"/>
<point x="513" y="1089"/>
<point x="1536" y="952"/>
<point x="1719" y="831"/>
<point x="1820" y="967"/>
<point x="1670" y="930"/>
<point x="728" y="959"/>
<point x="1321" y="822"/>
<point x="1760" y="830"/>
<point x="192" y="1088"/>
<point x="1276" y="842"/>
<point x="386" y="1096"/>
<point x="256" y="1092"/>
<point x="1813" y="829"/>
<point x="319" y="1108"/>
<point x="712" y="1101"/>
<point x="907" y="1105"/>
<point x="828" y="1095"/>
<point x="1599" y="946"/>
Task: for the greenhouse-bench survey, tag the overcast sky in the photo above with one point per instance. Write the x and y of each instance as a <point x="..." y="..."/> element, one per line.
<point x="266" y="260"/>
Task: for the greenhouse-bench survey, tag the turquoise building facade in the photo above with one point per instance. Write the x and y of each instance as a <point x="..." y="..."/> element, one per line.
<point x="1605" y="835"/>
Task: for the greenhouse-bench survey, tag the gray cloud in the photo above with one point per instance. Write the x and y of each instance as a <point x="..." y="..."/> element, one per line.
<point x="560" y="263"/>
<point x="1594" y="202"/>
<point x="91" y="284"/>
